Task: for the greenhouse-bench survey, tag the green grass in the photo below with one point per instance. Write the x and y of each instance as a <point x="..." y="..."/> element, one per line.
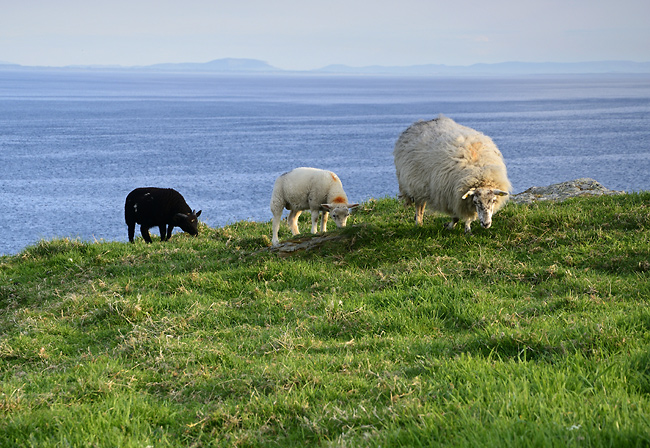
<point x="535" y="332"/>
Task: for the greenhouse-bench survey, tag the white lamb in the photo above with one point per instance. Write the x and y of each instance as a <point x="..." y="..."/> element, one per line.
<point x="455" y="169"/>
<point x="309" y="189"/>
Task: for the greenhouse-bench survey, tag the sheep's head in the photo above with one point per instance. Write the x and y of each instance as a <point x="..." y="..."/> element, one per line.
<point x="188" y="222"/>
<point x="339" y="212"/>
<point x="484" y="200"/>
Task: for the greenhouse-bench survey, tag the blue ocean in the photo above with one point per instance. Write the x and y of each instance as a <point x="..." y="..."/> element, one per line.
<point x="73" y="144"/>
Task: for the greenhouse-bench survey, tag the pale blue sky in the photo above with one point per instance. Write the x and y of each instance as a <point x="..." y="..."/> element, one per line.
<point x="305" y="34"/>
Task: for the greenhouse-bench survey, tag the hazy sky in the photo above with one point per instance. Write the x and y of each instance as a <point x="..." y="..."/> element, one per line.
<point x="306" y="34"/>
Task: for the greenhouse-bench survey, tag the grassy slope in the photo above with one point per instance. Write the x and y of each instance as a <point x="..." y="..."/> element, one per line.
<point x="534" y="332"/>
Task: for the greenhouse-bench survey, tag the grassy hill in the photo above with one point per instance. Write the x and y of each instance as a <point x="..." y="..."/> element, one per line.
<point x="535" y="332"/>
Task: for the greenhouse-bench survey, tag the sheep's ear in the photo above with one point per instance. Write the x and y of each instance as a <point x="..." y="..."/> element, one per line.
<point x="500" y="193"/>
<point x="352" y="206"/>
<point x="180" y="216"/>
<point x="469" y="193"/>
<point x="326" y="207"/>
<point x="197" y="213"/>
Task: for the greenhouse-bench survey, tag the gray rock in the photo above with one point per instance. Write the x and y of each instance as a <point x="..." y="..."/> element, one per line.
<point x="305" y="243"/>
<point x="564" y="190"/>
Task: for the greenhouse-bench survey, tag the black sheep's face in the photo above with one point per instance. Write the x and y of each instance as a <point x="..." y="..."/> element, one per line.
<point x="189" y="222"/>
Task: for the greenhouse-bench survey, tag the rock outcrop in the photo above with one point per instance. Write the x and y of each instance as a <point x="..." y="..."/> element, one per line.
<point x="564" y="190"/>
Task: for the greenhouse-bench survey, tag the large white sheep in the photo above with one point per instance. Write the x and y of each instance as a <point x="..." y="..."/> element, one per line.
<point x="309" y="189"/>
<point x="455" y="169"/>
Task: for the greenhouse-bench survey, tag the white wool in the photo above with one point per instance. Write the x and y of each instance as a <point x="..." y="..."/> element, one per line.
<point x="319" y="191"/>
<point x="437" y="162"/>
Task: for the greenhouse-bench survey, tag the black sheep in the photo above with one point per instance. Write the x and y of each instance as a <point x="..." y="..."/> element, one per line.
<point x="161" y="207"/>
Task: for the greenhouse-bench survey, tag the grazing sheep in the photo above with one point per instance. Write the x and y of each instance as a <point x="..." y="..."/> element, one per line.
<point x="161" y="207"/>
<point x="309" y="189"/>
<point x="455" y="169"/>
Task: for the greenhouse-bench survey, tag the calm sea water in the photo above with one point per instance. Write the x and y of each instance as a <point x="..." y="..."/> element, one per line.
<point x="72" y="145"/>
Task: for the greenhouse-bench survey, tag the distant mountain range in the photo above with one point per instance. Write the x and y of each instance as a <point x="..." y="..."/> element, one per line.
<point x="227" y="65"/>
<point x="503" y="68"/>
<point x="218" y="65"/>
<point x="238" y="65"/>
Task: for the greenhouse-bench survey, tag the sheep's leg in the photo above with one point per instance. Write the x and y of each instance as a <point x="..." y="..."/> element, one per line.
<point x="292" y="220"/>
<point x="452" y="224"/>
<point x="419" y="212"/>
<point x="277" y="217"/>
<point x="145" y="234"/>
<point x="163" y="232"/>
<point x="131" y="232"/>
<point x="468" y="227"/>
<point x="314" y="220"/>
<point x="323" y="222"/>
<point x="169" y="231"/>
